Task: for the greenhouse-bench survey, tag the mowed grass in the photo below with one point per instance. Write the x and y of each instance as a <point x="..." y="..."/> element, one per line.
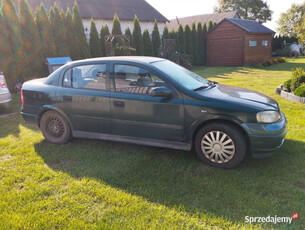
<point x="90" y="184"/>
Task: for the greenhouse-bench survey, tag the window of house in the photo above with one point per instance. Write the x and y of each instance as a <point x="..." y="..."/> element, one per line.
<point x="264" y="43"/>
<point x="132" y="79"/>
<point x="252" y="43"/>
<point x="86" y="77"/>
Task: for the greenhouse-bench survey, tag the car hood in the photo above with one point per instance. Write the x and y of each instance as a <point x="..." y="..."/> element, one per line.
<point x="240" y="95"/>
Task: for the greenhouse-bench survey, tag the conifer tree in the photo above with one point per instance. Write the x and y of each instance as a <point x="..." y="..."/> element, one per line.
<point x="128" y="33"/>
<point x="210" y="26"/>
<point x="195" y="45"/>
<point x="44" y="30"/>
<point x="204" y="32"/>
<point x="31" y="45"/>
<point x="171" y="34"/>
<point x="177" y="42"/>
<point x="156" y="41"/>
<point x="116" y="26"/>
<point x="5" y="51"/>
<point x="188" y="40"/>
<point x="148" y="47"/>
<point x="165" y="33"/>
<point x="71" y="42"/>
<point x="79" y="32"/>
<point x="137" y="37"/>
<point x="94" y="41"/>
<point x="200" y="43"/>
<point x="104" y="32"/>
<point x="181" y="38"/>
<point x="11" y="23"/>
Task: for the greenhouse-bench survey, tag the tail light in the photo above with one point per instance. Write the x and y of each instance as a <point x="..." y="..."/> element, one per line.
<point x="2" y="82"/>
<point x="22" y="98"/>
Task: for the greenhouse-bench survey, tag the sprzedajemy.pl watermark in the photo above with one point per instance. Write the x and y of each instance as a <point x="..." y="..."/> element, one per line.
<point x="271" y="219"/>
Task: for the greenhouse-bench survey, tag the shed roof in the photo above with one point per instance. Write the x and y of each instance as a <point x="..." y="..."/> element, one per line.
<point x="204" y="19"/>
<point x="105" y="9"/>
<point x="251" y="26"/>
<point x="58" y="60"/>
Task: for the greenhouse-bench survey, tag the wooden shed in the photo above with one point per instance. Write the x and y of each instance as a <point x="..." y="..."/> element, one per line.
<point x="238" y="42"/>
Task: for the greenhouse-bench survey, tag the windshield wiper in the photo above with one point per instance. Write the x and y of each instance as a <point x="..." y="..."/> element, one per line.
<point x="201" y="87"/>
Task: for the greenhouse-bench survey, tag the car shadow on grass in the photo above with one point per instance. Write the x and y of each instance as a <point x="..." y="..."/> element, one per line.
<point x="178" y="179"/>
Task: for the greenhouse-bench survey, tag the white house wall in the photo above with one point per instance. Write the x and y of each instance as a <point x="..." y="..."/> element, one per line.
<point x="124" y="24"/>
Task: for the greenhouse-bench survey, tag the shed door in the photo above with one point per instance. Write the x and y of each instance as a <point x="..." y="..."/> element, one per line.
<point x="225" y="51"/>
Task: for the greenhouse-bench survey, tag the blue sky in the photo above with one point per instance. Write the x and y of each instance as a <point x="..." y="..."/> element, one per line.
<point x="182" y="8"/>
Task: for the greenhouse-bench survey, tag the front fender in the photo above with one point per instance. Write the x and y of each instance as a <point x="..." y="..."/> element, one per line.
<point x="198" y="123"/>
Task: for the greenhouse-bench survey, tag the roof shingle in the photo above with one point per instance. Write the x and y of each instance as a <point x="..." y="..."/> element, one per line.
<point x="105" y="9"/>
<point x="204" y="19"/>
<point x="250" y="26"/>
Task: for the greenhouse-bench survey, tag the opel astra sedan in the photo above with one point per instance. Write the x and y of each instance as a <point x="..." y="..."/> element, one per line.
<point x="152" y="101"/>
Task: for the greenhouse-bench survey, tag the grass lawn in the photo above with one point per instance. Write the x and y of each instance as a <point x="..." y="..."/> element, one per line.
<point x="97" y="184"/>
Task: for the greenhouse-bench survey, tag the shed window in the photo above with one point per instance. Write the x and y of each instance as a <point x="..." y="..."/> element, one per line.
<point x="252" y="43"/>
<point x="264" y="43"/>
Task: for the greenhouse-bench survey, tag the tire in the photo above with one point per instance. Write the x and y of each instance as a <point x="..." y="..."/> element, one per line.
<point x="55" y="128"/>
<point x="220" y="145"/>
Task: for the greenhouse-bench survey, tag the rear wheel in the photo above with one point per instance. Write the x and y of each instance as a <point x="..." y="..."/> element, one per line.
<point x="55" y="128"/>
<point x="220" y="145"/>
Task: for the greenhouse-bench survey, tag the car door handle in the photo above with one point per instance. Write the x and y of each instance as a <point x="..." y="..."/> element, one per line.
<point x="67" y="98"/>
<point x="119" y="104"/>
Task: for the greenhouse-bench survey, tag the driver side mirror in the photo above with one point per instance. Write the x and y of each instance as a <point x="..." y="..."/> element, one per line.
<point x="161" y="92"/>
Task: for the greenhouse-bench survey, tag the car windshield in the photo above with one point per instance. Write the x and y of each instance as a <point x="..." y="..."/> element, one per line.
<point x="181" y="75"/>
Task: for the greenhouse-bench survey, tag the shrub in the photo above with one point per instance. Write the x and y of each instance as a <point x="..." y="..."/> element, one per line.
<point x="287" y="85"/>
<point x="300" y="91"/>
<point x="275" y="61"/>
<point x="259" y="65"/>
<point x="281" y="60"/>
<point x="264" y="63"/>
<point x="269" y="62"/>
<point x="298" y="78"/>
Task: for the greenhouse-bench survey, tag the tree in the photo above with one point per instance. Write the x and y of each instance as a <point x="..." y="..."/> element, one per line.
<point x="156" y="41"/>
<point x="58" y="32"/>
<point x="128" y="33"/>
<point x="181" y="38"/>
<point x="104" y="32"/>
<point x="255" y="9"/>
<point x="195" y="45"/>
<point x="94" y="41"/>
<point x="204" y="32"/>
<point x="31" y="45"/>
<point x="71" y="42"/>
<point x="79" y="32"/>
<point x="12" y="27"/>
<point x="137" y="36"/>
<point x="210" y="26"/>
<point x="290" y="22"/>
<point x="177" y="42"/>
<point x="188" y="40"/>
<point x="200" y="44"/>
<point x="148" y="46"/>
<point x="116" y="26"/>
<point x="165" y="34"/>
<point x="5" y="51"/>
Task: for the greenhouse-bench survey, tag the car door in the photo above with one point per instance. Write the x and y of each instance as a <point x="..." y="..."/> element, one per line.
<point x="135" y="113"/>
<point x="84" y="97"/>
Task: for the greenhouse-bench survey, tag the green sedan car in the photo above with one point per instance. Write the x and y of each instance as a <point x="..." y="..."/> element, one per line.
<point x="155" y="102"/>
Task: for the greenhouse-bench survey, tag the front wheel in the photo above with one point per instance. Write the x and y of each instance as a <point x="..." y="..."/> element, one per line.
<point x="221" y="145"/>
<point x="55" y="128"/>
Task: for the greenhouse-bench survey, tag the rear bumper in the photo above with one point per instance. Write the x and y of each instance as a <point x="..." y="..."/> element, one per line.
<point x="29" y="118"/>
<point x="5" y="97"/>
<point x="266" y="138"/>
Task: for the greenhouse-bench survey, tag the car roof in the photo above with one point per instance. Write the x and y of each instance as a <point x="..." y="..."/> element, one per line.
<point x="139" y="59"/>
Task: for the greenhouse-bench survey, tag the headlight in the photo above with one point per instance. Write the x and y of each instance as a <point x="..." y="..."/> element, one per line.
<point x="268" y="116"/>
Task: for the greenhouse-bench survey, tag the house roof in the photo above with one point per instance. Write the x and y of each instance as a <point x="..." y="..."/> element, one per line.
<point x="58" y="60"/>
<point x="105" y="9"/>
<point x="251" y="26"/>
<point x="204" y="19"/>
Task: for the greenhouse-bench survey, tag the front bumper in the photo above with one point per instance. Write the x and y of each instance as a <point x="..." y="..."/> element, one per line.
<point x="266" y="138"/>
